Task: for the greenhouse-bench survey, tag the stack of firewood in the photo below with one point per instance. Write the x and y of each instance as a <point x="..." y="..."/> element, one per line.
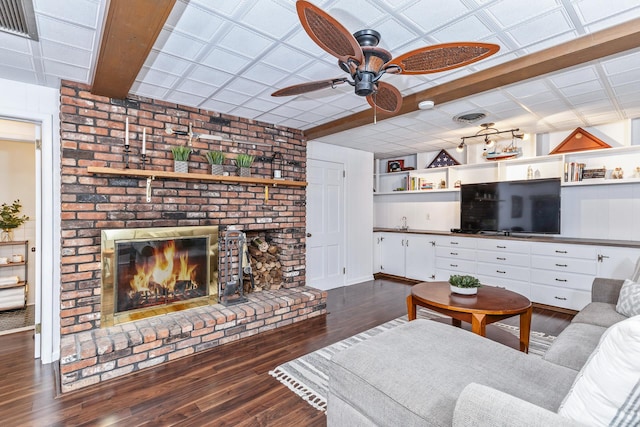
<point x="267" y="270"/>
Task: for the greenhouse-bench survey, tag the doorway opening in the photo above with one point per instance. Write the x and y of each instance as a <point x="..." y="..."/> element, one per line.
<point x="18" y="266"/>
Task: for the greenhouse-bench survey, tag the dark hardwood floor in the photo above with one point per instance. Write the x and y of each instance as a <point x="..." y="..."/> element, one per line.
<point x="226" y="386"/>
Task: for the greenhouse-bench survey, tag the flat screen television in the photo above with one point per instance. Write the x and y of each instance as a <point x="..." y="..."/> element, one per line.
<point x="531" y="206"/>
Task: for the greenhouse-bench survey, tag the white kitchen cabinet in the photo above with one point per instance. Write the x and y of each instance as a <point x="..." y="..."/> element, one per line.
<point x="420" y="257"/>
<point x="392" y="256"/>
<point x="551" y="273"/>
<point x="406" y="255"/>
<point x="616" y="262"/>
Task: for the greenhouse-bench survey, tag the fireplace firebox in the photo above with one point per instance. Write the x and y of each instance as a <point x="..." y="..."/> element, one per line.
<point x="151" y="271"/>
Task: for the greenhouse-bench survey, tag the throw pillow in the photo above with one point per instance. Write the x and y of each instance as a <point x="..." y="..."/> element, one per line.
<point x="607" y="388"/>
<point x="629" y="299"/>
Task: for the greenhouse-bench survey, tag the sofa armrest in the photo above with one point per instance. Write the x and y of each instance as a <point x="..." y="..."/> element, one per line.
<point x="606" y="290"/>
<point x="479" y="405"/>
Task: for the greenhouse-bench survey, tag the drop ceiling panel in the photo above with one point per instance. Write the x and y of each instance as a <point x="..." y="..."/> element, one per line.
<point x="230" y="56"/>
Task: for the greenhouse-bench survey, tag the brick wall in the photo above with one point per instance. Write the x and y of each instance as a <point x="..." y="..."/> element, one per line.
<point x="92" y="134"/>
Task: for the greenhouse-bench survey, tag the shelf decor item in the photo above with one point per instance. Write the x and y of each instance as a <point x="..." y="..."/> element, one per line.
<point x="215" y="159"/>
<point x="395" y="165"/>
<point x="10" y="219"/>
<point x="464" y="285"/>
<point x="181" y="158"/>
<point x="244" y="162"/>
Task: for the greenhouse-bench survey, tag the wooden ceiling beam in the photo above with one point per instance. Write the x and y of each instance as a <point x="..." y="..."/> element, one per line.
<point x="130" y="31"/>
<point x="594" y="46"/>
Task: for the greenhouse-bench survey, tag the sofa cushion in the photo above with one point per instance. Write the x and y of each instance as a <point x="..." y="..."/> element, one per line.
<point x="413" y="374"/>
<point x="607" y="389"/>
<point x="574" y="345"/>
<point x="600" y="314"/>
<point x="629" y="299"/>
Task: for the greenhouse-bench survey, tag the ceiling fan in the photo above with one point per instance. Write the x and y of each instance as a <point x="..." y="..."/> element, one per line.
<point x="365" y="62"/>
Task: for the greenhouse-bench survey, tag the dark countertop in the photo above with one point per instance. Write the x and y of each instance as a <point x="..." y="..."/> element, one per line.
<point x="523" y="237"/>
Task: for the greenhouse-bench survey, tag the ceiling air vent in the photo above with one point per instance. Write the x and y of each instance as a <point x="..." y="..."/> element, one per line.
<point x="468" y="118"/>
<point x="17" y="17"/>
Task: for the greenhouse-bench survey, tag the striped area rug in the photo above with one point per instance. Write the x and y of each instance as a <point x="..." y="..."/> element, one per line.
<point x="307" y="377"/>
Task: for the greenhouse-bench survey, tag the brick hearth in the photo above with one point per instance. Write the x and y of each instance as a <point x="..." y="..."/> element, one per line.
<point x="98" y="355"/>
<point x="92" y="134"/>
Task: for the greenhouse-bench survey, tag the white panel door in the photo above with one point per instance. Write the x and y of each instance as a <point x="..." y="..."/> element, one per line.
<point x="325" y="224"/>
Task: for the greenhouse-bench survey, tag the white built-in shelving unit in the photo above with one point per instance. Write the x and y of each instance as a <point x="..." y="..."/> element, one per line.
<point x="549" y="166"/>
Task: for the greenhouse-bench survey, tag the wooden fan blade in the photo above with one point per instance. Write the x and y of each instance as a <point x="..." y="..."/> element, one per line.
<point x="442" y="57"/>
<point x="308" y="87"/>
<point x="386" y="98"/>
<point x="328" y="33"/>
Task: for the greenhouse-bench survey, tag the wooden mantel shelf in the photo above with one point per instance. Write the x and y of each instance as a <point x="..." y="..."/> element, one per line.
<point x="140" y="173"/>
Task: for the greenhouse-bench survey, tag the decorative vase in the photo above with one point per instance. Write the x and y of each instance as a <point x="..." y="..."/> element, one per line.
<point x="463" y="291"/>
<point x="245" y="171"/>
<point x="217" y="169"/>
<point x="6" y="235"/>
<point x="181" y="166"/>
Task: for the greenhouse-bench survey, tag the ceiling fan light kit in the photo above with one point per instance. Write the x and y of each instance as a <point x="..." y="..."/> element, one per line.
<point x="359" y="55"/>
<point x="426" y="105"/>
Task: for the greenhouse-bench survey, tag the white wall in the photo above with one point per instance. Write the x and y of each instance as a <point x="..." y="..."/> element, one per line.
<point x="18" y="182"/>
<point x="40" y="104"/>
<point x="358" y="205"/>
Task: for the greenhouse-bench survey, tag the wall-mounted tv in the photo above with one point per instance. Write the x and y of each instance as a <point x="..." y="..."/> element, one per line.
<point x="531" y="206"/>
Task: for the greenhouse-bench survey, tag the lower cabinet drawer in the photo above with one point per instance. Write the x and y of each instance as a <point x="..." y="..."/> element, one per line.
<point x="560" y="297"/>
<point x="516" y="286"/>
<point x="581" y="282"/>
<point x="572" y="265"/>
<point x="504" y="271"/>
<point x="456" y="266"/>
<point x="521" y="260"/>
<point x="458" y="253"/>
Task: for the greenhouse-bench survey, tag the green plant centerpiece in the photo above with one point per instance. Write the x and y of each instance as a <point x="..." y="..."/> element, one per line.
<point x="244" y="162"/>
<point x="181" y="153"/>
<point x="181" y="158"/>
<point x="215" y="159"/>
<point x="465" y="285"/>
<point x="10" y="218"/>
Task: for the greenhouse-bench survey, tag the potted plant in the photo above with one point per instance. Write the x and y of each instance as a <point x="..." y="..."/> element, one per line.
<point x="215" y="159"/>
<point x="244" y="162"/>
<point x="9" y="219"/>
<point x="465" y="285"/>
<point x="181" y="158"/>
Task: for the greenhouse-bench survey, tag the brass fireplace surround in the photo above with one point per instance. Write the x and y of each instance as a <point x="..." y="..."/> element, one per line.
<point x="108" y="243"/>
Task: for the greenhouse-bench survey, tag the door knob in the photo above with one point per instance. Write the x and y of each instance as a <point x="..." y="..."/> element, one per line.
<point x="308" y="234"/>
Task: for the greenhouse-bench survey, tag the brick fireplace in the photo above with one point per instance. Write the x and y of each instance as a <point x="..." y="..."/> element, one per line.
<point x="92" y="134"/>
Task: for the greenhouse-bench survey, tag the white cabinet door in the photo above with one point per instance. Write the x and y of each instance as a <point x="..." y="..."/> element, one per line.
<point x="420" y="257"/>
<point x="392" y="253"/>
<point x="616" y="263"/>
<point x="377" y="263"/>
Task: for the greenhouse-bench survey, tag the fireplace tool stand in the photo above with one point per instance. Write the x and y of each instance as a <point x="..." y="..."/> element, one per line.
<point x="236" y="265"/>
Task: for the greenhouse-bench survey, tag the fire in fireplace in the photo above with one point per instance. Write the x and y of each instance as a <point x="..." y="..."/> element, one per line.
<point x="151" y="271"/>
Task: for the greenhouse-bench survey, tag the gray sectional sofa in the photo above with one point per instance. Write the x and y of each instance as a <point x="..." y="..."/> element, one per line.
<point x="426" y="373"/>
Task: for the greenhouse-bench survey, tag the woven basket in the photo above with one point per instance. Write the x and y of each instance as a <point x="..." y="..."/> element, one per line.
<point x="245" y="171"/>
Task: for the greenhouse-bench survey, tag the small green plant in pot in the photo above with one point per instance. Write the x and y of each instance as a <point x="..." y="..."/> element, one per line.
<point x="215" y="159"/>
<point x="244" y="162"/>
<point x="10" y="219"/>
<point x="465" y="285"/>
<point x="181" y="158"/>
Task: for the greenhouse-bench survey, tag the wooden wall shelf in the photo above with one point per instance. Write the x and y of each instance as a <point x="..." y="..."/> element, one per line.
<point x="140" y="173"/>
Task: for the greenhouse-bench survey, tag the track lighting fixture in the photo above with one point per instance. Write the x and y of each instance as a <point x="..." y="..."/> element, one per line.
<point x="487" y="131"/>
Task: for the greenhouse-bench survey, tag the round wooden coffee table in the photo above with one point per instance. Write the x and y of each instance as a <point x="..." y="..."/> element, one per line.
<point x="490" y="305"/>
